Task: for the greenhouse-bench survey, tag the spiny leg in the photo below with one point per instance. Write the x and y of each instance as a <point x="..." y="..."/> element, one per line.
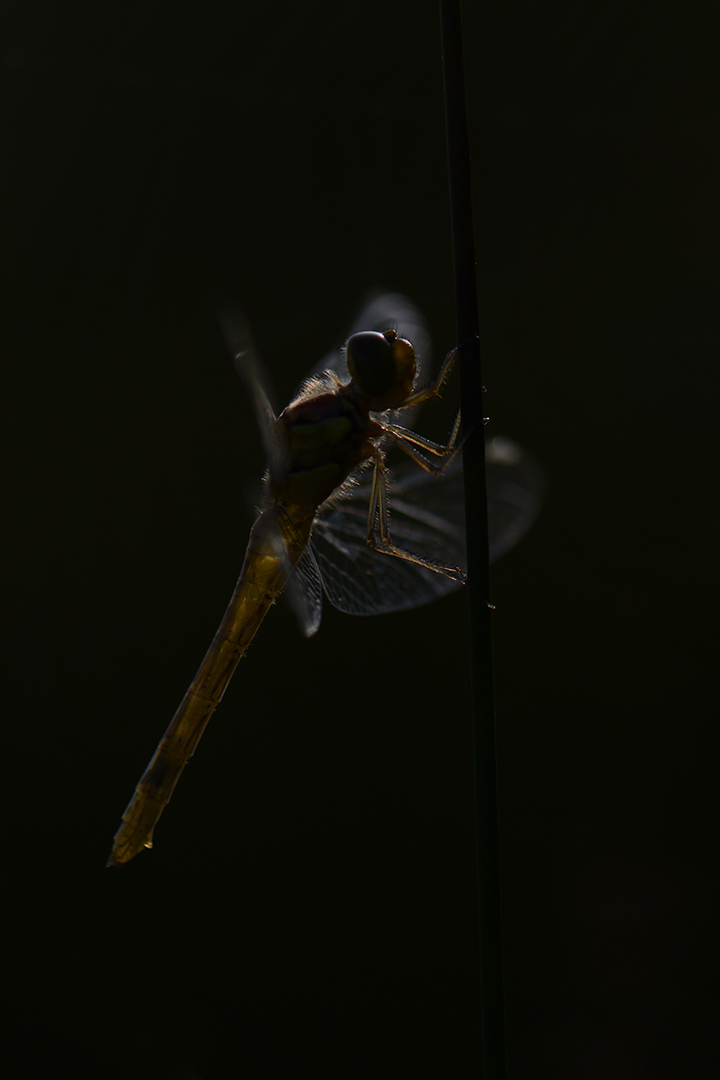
<point x="407" y="441"/>
<point x="417" y="397"/>
<point x="379" y="507"/>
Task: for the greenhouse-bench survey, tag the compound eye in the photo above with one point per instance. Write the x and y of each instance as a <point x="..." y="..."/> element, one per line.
<point x="371" y="362"/>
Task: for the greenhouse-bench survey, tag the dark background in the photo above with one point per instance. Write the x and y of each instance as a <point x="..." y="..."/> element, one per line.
<point x="309" y="904"/>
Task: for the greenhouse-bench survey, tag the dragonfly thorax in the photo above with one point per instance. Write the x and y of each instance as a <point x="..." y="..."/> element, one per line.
<point x="326" y="437"/>
<point x="382" y="367"/>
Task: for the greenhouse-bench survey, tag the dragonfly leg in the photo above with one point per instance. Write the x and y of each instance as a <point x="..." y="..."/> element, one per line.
<point x="433" y="389"/>
<point x="409" y="442"/>
<point x="407" y="435"/>
<point x="379" y="510"/>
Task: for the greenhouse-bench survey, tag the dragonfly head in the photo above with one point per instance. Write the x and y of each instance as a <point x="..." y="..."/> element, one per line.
<point x="382" y="367"/>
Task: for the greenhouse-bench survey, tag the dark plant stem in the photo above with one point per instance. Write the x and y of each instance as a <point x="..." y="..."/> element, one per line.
<point x="486" y="803"/>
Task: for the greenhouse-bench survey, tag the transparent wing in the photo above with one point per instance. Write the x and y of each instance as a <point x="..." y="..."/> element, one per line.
<point x="516" y="485"/>
<point x="386" y="311"/>
<point x="426" y="519"/>
<point x="361" y="581"/>
<point x="250" y="369"/>
<point x="383" y="311"/>
<point x="304" y="593"/>
<point x="304" y="586"/>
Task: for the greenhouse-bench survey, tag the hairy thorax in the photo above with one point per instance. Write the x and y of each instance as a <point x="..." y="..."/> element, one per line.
<point x="327" y="437"/>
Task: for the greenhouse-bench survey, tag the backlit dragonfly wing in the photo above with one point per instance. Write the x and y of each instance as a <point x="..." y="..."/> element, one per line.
<point x="427" y="519"/>
<point x="304" y="584"/>
<point x="516" y="485"/>
<point x="386" y="311"/>
<point x="304" y="592"/>
<point x="361" y="581"/>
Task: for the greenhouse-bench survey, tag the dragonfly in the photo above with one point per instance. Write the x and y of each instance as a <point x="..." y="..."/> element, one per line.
<point x="324" y="524"/>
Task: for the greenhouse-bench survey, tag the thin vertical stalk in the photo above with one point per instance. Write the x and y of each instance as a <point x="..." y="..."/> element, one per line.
<point x="486" y="802"/>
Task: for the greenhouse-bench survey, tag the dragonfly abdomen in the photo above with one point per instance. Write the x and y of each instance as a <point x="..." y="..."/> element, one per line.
<point x="261" y="580"/>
